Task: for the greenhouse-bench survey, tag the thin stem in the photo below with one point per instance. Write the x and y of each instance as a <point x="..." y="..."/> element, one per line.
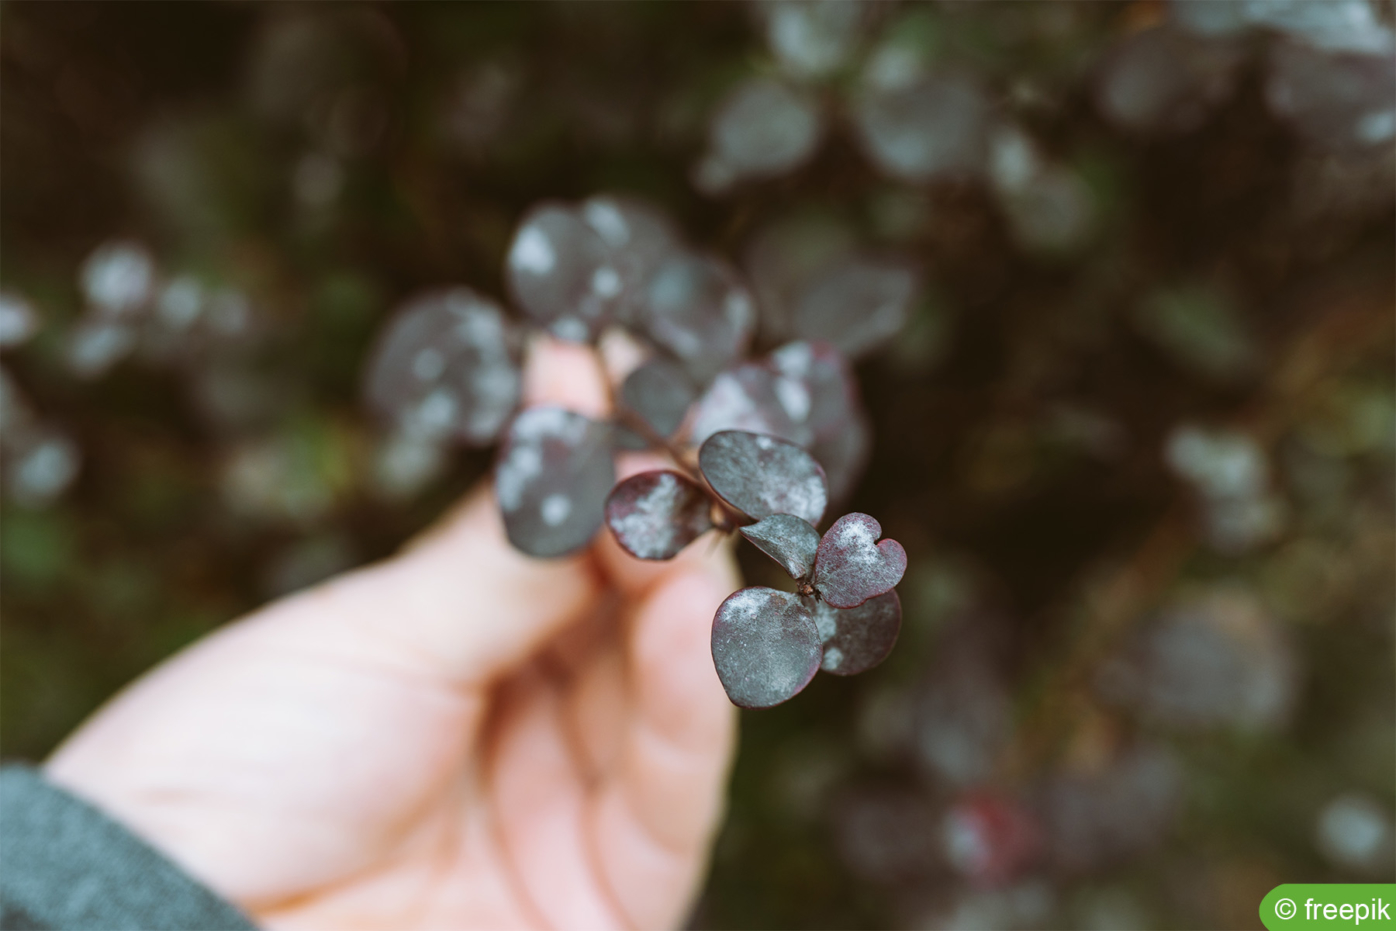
<point x="730" y="519"/>
<point x="639" y="425"/>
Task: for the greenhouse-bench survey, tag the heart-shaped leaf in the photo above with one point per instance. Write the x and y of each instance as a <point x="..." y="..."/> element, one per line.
<point x="765" y="646"/>
<point x="560" y="273"/>
<point x="857" y="639"/>
<point x="447" y="365"/>
<point x="554" y="471"/>
<point x="659" y="393"/>
<point x="851" y="566"/>
<point x="761" y="475"/>
<point x="788" y="540"/>
<point x="656" y="514"/>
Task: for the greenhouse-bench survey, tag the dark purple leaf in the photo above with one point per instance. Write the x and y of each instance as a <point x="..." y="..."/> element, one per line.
<point x="819" y="391"/>
<point x="656" y="514"/>
<point x="788" y="540"/>
<point x="936" y="127"/>
<point x="815" y="385"/>
<point x="781" y="260"/>
<point x="560" y="272"/>
<point x="764" y="128"/>
<point x="697" y="310"/>
<point x="857" y="639"/>
<point x="639" y="238"/>
<point x="554" y="472"/>
<point x="851" y="567"/>
<point x="765" y="646"/>
<point x="856" y="305"/>
<point x="447" y="365"/>
<point x="844" y="454"/>
<point x="761" y="475"/>
<point x="659" y="393"/>
<point x="744" y="398"/>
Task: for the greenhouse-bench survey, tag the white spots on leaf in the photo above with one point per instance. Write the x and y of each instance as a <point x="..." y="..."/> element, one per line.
<point x="532" y="252"/>
<point x="826" y="619"/>
<point x="606" y="282"/>
<point x="523" y="464"/>
<point x="794" y="397"/>
<point x="551" y="480"/>
<point x="765" y="646"/>
<point x="18" y="321"/>
<point x="118" y="278"/>
<point x="446" y="367"/>
<point x="181" y="301"/>
<point x="429" y="364"/>
<point x="435" y="414"/>
<point x="761" y="475"/>
<point x="604" y="217"/>
<point x="656" y="514"/>
<point x="555" y="509"/>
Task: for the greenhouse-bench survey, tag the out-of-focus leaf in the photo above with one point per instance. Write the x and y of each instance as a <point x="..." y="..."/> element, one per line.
<point x="930" y="128"/>
<point x="697" y="310"/>
<point x="749" y="398"/>
<point x="661" y="394"/>
<point x="554" y="472"/>
<point x="763" y="129"/>
<point x="639" y="238"/>
<point x="447" y="365"/>
<point x="820" y="393"/>
<point x="560" y="272"/>
<point x="857" y="305"/>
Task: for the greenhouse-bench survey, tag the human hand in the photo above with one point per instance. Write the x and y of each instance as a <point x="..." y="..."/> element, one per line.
<point x="461" y="736"/>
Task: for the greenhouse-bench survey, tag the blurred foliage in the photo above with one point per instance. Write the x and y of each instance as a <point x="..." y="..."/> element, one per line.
<point x="1137" y="438"/>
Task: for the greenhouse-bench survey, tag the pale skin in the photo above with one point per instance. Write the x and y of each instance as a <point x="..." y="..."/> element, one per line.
<point x="458" y="737"/>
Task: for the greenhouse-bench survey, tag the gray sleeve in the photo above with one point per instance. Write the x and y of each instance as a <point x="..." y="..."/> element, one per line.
<point x="65" y="865"/>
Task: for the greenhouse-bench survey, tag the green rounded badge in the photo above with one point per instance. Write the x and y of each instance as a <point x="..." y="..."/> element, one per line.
<point x="1304" y="906"/>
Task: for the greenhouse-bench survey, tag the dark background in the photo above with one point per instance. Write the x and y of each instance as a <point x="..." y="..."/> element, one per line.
<point x="1020" y="421"/>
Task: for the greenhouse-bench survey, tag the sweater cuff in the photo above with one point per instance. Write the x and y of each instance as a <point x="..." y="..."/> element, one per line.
<point x="64" y="864"/>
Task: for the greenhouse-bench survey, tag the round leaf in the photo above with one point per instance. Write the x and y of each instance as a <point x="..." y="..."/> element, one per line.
<point x="447" y="365"/>
<point x="761" y="475"/>
<point x="655" y="514"/>
<point x="851" y="567"/>
<point x="744" y="398"/>
<point x="560" y="273"/>
<point x="788" y="540"/>
<point x="697" y="310"/>
<point x="763" y="129"/>
<point x="819" y="391"/>
<point x="765" y="646"/>
<point x="857" y="639"/>
<point x="856" y="305"/>
<point x="639" y="238"/>
<point x="933" y="128"/>
<point x="554" y="472"/>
